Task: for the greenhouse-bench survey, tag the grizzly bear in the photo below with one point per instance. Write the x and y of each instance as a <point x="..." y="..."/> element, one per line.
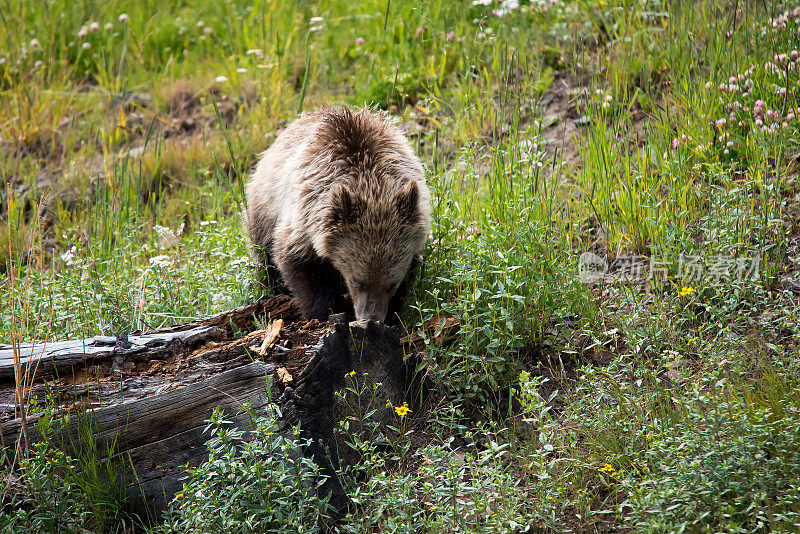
<point x="339" y="205"/>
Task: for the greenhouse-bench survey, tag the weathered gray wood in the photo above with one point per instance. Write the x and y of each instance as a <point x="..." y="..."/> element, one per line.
<point x="45" y="358"/>
<point x="157" y="437"/>
<point x="62" y="355"/>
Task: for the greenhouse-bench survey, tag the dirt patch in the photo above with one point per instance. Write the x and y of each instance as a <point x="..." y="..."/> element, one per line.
<point x="561" y="120"/>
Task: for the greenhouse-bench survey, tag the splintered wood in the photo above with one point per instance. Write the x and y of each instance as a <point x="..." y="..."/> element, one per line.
<point x="271" y="335"/>
<point x="284" y="375"/>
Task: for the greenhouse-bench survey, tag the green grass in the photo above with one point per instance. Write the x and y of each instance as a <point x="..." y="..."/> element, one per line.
<point x="663" y="406"/>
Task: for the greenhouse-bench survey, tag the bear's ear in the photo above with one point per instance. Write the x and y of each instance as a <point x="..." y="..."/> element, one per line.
<point x="407" y="201"/>
<point x="345" y="209"/>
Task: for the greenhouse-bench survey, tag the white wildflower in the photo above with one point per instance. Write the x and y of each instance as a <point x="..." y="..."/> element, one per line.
<point x="69" y="257"/>
<point x="167" y="237"/>
<point x="160" y="261"/>
<point x="240" y="262"/>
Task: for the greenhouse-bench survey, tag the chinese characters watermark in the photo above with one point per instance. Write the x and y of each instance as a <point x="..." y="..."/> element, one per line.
<point x="593" y="268"/>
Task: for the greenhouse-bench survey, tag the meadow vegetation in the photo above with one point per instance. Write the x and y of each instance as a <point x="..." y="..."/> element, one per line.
<point x="656" y="141"/>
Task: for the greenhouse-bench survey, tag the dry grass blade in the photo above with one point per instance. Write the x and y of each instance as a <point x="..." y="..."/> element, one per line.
<point x="19" y="379"/>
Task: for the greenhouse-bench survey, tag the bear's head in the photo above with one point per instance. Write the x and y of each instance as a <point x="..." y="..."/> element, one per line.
<point x="372" y="236"/>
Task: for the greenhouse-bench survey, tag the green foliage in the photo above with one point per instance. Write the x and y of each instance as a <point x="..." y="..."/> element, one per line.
<point x="707" y="167"/>
<point x="264" y="484"/>
<point x="714" y="454"/>
<point x="499" y="263"/>
<point x="60" y="492"/>
<point x="722" y="471"/>
<point x="91" y="291"/>
<point x="452" y="491"/>
<point x="52" y="504"/>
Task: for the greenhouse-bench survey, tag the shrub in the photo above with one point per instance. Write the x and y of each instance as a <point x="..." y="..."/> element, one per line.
<point x="261" y="485"/>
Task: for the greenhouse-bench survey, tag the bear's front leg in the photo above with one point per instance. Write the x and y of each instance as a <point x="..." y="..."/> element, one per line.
<point x="315" y="283"/>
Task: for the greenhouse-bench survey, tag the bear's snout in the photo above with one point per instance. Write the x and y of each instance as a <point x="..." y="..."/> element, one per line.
<point x="370" y="307"/>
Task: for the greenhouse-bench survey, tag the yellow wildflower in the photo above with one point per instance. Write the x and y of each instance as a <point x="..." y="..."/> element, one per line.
<point x="402" y="410"/>
<point x="685" y="291"/>
<point x="608" y="468"/>
<point x="351" y="373"/>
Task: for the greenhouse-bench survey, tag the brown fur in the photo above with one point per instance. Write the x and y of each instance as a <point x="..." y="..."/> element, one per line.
<point x="339" y="204"/>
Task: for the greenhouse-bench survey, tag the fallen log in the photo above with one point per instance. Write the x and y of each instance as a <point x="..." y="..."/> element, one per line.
<point x="149" y="399"/>
<point x="46" y="358"/>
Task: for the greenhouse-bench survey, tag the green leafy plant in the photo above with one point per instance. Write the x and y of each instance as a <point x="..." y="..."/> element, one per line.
<point x="263" y="484"/>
